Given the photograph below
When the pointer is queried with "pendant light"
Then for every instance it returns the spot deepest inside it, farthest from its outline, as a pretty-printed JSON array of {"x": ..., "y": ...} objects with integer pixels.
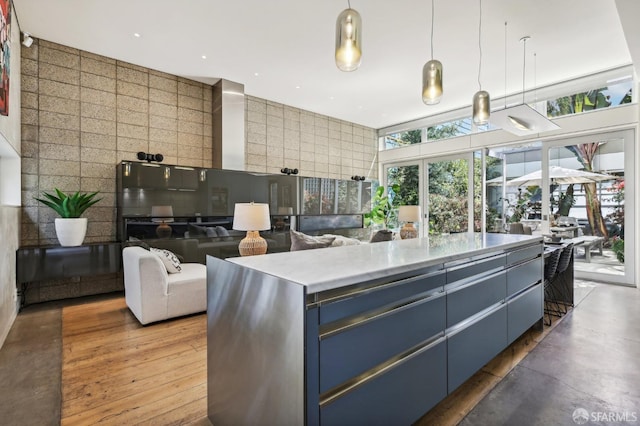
[
  {"x": 521, "y": 120},
  {"x": 348, "y": 40},
  {"x": 481, "y": 101},
  {"x": 432, "y": 75}
]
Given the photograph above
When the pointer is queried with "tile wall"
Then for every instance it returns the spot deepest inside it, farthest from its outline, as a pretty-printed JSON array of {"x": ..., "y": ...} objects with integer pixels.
[{"x": 83, "y": 113}]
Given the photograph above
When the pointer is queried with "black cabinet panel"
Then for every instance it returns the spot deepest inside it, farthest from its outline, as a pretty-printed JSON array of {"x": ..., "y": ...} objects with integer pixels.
[
  {"x": 475, "y": 345},
  {"x": 523, "y": 275},
  {"x": 55, "y": 262},
  {"x": 472, "y": 298},
  {"x": 523, "y": 311},
  {"x": 380, "y": 296},
  {"x": 397, "y": 396},
  {"x": 358, "y": 348}
]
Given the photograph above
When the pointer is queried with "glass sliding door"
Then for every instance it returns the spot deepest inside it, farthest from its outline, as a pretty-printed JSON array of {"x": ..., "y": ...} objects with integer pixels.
[
  {"x": 589, "y": 190},
  {"x": 495, "y": 191},
  {"x": 406, "y": 179},
  {"x": 449, "y": 193}
]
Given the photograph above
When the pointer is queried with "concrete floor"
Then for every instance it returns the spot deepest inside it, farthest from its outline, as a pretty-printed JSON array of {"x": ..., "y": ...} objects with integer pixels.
[{"x": 591, "y": 360}]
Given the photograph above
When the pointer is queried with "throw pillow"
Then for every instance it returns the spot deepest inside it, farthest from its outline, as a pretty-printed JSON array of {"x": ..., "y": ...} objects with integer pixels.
[
  {"x": 341, "y": 240},
  {"x": 136, "y": 242},
  {"x": 222, "y": 231},
  {"x": 300, "y": 241},
  {"x": 170, "y": 260},
  {"x": 196, "y": 231},
  {"x": 211, "y": 232},
  {"x": 382, "y": 235}
]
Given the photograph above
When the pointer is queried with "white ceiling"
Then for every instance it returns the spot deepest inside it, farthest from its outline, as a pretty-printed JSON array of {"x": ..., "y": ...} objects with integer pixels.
[{"x": 289, "y": 44}]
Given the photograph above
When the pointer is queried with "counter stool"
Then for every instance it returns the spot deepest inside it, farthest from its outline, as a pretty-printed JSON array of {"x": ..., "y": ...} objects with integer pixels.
[
  {"x": 559, "y": 294},
  {"x": 550, "y": 268}
]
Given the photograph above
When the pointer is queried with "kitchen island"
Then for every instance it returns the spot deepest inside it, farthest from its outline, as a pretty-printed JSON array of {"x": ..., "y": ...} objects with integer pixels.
[{"x": 368, "y": 334}]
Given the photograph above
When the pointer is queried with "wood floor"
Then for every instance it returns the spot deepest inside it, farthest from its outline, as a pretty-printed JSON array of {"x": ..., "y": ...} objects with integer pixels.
[{"x": 117, "y": 372}]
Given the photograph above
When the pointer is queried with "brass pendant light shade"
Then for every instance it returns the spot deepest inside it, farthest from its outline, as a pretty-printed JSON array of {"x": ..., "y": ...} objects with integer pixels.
[
  {"x": 481, "y": 108},
  {"x": 432, "y": 82},
  {"x": 348, "y": 40},
  {"x": 481, "y": 102},
  {"x": 432, "y": 87}
]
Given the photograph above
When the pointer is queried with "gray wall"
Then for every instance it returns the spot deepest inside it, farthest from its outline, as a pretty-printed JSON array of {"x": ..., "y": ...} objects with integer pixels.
[{"x": 9, "y": 190}]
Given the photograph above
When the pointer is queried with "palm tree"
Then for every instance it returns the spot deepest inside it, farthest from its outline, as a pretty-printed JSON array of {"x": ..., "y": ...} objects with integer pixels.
[{"x": 585, "y": 153}]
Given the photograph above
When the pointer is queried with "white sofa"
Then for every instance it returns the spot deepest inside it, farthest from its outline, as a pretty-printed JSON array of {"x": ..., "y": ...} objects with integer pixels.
[{"x": 152, "y": 294}]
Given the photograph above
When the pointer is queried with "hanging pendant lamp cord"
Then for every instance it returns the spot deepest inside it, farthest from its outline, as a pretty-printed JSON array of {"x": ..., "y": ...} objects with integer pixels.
[
  {"x": 535, "y": 77},
  {"x": 432, "y": 9},
  {"x": 349, "y": 3},
  {"x": 480, "y": 46},
  {"x": 524, "y": 65},
  {"x": 505, "y": 64}
]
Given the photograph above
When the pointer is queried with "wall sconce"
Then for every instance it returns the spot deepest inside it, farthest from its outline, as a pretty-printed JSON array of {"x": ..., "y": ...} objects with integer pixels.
[
  {"x": 289, "y": 171},
  {"x": 356, "y": 177},
  {"x": 143, "y": 156},
  {"x": 27, "y": 40}
]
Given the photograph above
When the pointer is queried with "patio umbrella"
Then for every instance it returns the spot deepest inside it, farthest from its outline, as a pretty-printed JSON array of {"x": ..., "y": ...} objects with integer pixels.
[{"x": 560, "y": 175}]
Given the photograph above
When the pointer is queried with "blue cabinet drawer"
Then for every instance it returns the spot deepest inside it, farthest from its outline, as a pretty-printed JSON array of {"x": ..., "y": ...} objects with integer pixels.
[
  {"x": 380, "y": 296},
  {"x": 468, "y": 300},
  {"x": 471, "y": 347},
  {"x": 348, "y": 350},
  {"x": 397, "y": 395},
  {"x": 477, "y": 267},
  {"x": 526, "y": 253},
  {"x": 522, "y": 276},
  {"x": 523, "y": 311}
]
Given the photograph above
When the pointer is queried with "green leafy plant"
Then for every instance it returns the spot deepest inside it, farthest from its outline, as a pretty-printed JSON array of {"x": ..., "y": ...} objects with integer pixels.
[
  {"x": 69, "y": 206},
  {"x": 383, "y": 206},
  {"x": 618, "y": 248}
]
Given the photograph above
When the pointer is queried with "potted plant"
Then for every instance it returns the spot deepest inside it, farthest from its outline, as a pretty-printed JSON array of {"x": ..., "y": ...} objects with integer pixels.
[
  {"x": 384, "y": 209},
  {"x": 70, "y": 227}
]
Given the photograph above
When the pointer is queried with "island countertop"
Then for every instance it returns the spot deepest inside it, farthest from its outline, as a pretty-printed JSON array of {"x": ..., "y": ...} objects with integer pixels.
[{"x": 330, "y": 268}]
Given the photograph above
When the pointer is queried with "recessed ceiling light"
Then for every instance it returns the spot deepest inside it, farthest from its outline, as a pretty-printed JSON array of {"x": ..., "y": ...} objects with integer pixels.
[
  {"x": 136, "y": 35},
  {"x": 204, "y": 57},
  {"x": 256, "y": 74},
  {"x": 331, "y": 97},
  {"x": 359, "y": 106},
  {"x": 297, "y": 87}
]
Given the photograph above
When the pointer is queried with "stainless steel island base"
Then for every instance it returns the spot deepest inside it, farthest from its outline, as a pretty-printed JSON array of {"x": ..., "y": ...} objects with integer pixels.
[{"x": 370, "y": 334}]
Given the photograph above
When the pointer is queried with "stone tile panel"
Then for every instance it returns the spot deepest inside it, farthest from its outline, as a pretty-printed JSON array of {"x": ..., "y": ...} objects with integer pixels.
[{"x": 97, "y": 67}]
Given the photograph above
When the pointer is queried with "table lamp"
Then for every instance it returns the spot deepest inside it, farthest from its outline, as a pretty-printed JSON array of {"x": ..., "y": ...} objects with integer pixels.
[
  {"x": 251, "y": 217},
  {"x": 162, "y": 214},
  {"x": 408, "y": 215}
]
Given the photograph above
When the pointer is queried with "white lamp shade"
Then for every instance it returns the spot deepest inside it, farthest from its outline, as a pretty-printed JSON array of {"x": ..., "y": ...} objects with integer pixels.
[
  {"x": 161, "y": 214},
  {"x": 251, "y": 217},
  {"x": 409, "y": 214}
]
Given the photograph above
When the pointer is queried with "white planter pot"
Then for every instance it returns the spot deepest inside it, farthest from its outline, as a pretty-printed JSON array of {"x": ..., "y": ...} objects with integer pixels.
[{"x": 71, "y": 232}]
